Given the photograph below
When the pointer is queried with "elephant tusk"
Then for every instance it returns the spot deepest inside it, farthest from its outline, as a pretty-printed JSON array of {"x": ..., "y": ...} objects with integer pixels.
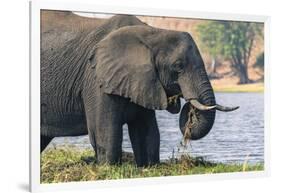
[
  {"x": 200, "y": 106},
  {"x": 226, "y": 109}
]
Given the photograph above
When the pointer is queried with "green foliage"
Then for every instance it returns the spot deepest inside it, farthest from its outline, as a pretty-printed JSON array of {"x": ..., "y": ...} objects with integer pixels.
[
  {"x": 231, "y": 40},
  {"x": 211, "y": 35},
  {"x": 66, "y": 165}
]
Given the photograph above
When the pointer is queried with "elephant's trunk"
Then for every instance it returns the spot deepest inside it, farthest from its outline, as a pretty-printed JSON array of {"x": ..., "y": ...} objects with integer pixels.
[{"x": 198, "y": 114}]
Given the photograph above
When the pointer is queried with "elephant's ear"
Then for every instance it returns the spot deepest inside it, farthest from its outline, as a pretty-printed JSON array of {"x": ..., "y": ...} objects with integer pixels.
[{"x": 123, "y": 66}]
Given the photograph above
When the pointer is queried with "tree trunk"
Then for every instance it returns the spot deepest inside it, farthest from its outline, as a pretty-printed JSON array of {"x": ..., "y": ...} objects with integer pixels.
[{"x": 242, "y": 72}]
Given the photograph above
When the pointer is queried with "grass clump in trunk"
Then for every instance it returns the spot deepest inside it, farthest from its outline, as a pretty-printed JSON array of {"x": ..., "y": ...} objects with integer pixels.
[{"x": 66, "y": 165}]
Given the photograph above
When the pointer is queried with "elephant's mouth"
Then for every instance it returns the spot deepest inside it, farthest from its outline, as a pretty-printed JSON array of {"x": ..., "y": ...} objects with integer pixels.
[
  {"x": 174, "y": 104},
  {"x": 173, "y": 99},
  {"x": 173, "y": 93}
]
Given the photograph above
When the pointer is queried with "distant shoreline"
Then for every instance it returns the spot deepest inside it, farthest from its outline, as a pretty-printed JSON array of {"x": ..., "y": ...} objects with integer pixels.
[{"x": 254, "y": 87}]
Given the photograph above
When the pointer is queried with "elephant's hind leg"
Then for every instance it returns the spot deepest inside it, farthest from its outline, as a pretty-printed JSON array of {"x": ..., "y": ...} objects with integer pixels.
[
  {"x": 137, "y": 141},
  {"x": 44, "y": 141}
]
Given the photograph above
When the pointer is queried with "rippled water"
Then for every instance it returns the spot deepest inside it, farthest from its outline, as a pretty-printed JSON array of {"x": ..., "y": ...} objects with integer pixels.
[{"x": 235, "y": 137}]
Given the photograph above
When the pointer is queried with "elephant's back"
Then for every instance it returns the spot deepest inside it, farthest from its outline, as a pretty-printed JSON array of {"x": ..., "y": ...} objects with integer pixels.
[{"x": 63, "y": 64}]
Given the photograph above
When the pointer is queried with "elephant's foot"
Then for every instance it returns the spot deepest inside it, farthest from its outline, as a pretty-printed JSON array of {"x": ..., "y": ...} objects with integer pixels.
[{"x": 105, "y": 156}]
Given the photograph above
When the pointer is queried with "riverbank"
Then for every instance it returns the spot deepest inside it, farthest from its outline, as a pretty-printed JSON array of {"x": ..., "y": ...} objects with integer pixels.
[
  {"x": 66, "y": 165},
  {"x": 255, "y": 87}
]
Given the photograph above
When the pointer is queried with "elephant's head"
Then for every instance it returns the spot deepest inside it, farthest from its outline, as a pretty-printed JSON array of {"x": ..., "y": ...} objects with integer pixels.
[{"x": 154, "y": 68}]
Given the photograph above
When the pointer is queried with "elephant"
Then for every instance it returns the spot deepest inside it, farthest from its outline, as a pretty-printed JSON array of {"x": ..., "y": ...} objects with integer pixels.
[{"x": 120, "y": 74}]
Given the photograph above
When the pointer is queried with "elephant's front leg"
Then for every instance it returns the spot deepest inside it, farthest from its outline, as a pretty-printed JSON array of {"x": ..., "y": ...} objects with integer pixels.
[
  {"x": 105, "y": 130},
  {"x": 145, "y": 138},
  {"x": 109, "y": 141}
]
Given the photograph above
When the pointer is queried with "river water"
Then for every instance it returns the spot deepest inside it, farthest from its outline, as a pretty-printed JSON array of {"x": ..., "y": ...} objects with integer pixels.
[{"x": 235, "y": 137}]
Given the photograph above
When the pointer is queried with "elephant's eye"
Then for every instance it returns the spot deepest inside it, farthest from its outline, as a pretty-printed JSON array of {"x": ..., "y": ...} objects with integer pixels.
[{"x": 178, "y": 66}]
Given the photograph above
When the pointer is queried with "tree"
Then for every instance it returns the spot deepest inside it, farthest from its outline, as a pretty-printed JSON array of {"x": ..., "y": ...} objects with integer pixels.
[{"x": 233, "y": 41}]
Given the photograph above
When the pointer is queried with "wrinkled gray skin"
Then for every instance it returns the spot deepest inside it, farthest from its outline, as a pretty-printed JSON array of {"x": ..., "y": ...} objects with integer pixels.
[{"x": 120, "y": 75}]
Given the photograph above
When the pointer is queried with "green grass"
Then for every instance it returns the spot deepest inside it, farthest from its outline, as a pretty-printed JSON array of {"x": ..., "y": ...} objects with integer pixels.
[{"x": 66, "y": 165}]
